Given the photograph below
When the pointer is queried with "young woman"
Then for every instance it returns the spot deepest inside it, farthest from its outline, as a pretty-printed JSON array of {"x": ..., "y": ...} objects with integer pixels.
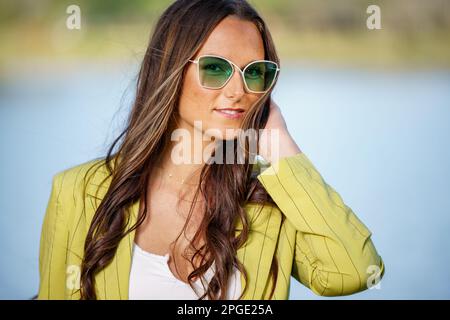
[{"x": 140, "y": 224}]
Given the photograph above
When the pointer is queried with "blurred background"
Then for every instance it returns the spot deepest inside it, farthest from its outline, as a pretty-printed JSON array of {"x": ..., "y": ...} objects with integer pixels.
[{"x": 370, "y": 108}]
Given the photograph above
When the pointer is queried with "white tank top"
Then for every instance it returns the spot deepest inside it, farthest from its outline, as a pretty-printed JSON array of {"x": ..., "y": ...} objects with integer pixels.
[{"x": 152, "y": 279}]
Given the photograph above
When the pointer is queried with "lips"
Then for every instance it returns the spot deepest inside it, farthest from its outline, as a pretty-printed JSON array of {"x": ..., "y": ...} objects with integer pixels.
[
  {"x": 234, "y": 110},
  {"x": 232, "y": 113}
]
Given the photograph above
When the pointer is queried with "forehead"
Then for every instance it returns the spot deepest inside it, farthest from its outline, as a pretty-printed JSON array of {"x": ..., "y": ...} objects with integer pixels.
[{"x": 237, "y": 40}]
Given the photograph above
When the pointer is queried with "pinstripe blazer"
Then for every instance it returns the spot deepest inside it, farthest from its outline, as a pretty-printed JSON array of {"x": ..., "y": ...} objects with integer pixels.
[{"x": 321, "y": 242}]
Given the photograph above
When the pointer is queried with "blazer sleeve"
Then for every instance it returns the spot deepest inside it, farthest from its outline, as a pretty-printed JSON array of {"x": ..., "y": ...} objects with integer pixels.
[
  {"x": 52, "y": 248},
  {"x": 333, "y": 254}
]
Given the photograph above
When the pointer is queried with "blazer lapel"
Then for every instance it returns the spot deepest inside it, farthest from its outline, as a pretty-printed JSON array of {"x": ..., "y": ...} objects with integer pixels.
[
  {"x": 112, "y": 281},
  {"x": 257, "y": 253}
]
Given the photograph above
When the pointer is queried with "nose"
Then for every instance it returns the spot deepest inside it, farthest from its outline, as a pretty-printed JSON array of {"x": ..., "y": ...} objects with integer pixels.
[{"x": 235, "y": 86}]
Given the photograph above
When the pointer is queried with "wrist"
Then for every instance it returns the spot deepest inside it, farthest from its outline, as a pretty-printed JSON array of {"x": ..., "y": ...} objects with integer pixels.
[{"x": 285, "y": 147}]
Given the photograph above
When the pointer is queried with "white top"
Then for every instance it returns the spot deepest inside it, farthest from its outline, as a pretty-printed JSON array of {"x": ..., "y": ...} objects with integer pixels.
[{"x": 152, "y": 279}]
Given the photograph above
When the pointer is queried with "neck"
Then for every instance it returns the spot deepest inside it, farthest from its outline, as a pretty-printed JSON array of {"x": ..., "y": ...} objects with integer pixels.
[{"x": 182, "y": 160}]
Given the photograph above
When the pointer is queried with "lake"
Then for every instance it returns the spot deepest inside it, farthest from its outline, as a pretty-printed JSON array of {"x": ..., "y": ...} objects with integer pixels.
[{"x": 380, "y": 138}]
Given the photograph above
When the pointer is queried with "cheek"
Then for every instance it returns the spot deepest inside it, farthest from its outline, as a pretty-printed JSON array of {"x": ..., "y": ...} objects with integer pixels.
[{"x": 196, "y": 102}]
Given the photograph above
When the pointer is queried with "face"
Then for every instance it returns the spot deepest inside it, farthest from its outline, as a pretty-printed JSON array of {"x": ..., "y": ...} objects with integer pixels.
[{"x": 240, "y": 42}]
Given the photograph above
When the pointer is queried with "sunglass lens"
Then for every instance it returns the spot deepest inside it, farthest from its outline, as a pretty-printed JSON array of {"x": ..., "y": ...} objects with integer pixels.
[
  {"x": 214, "y": 72},
  {"x": 260, "y": 76}
]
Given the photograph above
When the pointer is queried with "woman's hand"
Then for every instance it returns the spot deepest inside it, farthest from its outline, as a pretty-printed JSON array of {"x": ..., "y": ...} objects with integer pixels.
[{"x": 275, "y": 142}]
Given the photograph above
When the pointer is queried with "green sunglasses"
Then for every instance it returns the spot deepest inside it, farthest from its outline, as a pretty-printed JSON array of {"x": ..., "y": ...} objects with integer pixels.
[{"x": 214, "y": 72}]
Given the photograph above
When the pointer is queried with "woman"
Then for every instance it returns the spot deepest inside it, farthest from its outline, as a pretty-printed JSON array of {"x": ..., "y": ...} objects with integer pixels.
[{"x": 140, "y": 224}]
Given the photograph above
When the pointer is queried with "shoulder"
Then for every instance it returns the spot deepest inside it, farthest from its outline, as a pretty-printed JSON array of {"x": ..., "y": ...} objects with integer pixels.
[
  {"x": 73, "y": 183},
  {"x": 81, "y": 174}
]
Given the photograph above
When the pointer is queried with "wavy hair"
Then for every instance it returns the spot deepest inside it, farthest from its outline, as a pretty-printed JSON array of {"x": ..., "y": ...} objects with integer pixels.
[{"x": 176, "y": 38}]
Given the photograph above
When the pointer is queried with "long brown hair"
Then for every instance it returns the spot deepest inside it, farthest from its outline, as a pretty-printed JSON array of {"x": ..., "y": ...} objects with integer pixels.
[{"x": 179, "y": 33}]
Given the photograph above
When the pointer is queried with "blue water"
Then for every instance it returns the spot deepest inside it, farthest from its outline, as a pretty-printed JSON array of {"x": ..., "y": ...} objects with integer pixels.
[{"x": 379, "y": 138}]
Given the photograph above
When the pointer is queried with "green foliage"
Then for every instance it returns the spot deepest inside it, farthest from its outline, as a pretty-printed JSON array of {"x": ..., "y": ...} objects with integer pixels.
[{"x": 413, "y": 31}]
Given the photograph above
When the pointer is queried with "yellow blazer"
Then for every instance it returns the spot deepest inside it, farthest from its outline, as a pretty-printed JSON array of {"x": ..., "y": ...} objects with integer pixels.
[{"x": 321, "y": 243}]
